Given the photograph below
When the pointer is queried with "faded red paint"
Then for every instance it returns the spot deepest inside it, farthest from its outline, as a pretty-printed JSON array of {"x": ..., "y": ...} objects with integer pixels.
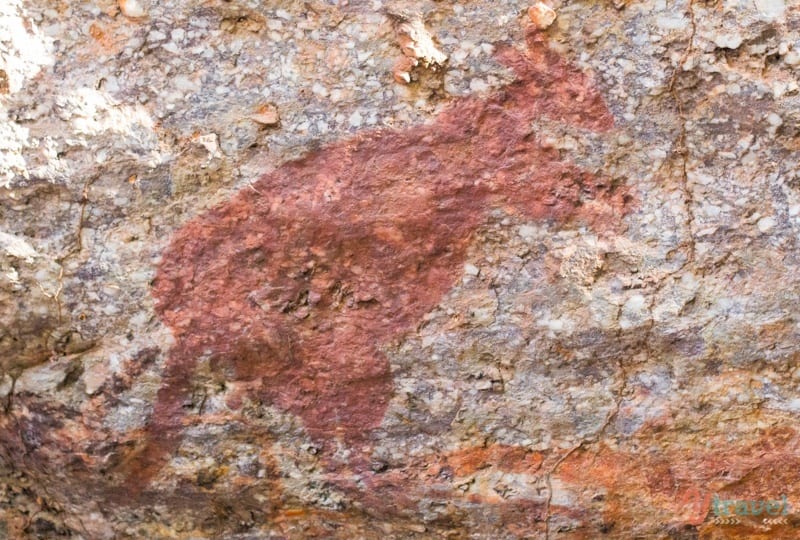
[
  {"x": 515, "y": 459},
  {"x": 678, "y": 482},
  {"x": 422, "y": 473},
  {"x": 452, "y": 482},
  {"x": 294, "y": 286}
]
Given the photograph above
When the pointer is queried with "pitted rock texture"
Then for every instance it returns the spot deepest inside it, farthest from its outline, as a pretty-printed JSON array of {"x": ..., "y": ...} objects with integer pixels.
[
  {"x": 294, "y": 286},
  {"x": 398, "y": 269}
]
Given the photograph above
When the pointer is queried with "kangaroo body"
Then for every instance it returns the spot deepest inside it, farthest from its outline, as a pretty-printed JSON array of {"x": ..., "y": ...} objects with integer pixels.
[{"x": 294, "y": 286}]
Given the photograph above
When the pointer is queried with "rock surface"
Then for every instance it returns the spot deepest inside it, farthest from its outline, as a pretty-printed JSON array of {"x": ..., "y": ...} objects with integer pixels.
[{"x": 399, "y": 269}]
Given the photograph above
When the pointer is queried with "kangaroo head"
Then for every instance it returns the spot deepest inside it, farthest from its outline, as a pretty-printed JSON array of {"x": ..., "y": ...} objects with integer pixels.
[{"x": 547, "y": 85}]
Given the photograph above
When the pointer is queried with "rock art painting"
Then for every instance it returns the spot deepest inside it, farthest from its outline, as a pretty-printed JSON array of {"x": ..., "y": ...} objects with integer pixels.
[{"x": 295, "y": 285}]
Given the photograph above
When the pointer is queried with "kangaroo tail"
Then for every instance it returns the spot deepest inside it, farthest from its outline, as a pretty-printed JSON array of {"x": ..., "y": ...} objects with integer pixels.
[{"x": 164, "y": 431}]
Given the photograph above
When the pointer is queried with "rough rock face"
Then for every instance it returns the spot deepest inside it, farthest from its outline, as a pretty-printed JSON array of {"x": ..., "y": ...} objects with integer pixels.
[{"x": 399, "y": 269}]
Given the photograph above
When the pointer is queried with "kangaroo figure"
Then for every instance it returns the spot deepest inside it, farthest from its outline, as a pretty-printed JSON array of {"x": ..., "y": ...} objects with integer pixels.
[{"x": 293, "y": 287}]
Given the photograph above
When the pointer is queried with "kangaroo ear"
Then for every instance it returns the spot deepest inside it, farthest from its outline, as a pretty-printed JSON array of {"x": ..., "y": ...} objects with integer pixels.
[
  {"x": 513, "y": 59},
  {"x": 533, "y": 62},
  {"x": 534, "y": 37}
]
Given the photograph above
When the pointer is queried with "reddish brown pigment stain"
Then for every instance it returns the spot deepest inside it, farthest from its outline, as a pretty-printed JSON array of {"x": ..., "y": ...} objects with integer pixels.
[
  {"x": 294, "y": 286},
  {"x": 679, "y": 482},
  {"x": 509, "y": 458},
  {"x": 433, "y": 476}
]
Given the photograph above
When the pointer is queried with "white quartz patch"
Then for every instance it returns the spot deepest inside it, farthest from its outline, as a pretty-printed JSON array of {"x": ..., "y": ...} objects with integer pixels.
[
  {"x": 17, "y": 247},
  {"x": 770, "y": 9}
]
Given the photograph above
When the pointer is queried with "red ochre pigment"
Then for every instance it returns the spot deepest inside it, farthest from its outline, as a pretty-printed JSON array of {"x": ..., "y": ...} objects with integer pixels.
[{"x": 294, "y": 286}]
